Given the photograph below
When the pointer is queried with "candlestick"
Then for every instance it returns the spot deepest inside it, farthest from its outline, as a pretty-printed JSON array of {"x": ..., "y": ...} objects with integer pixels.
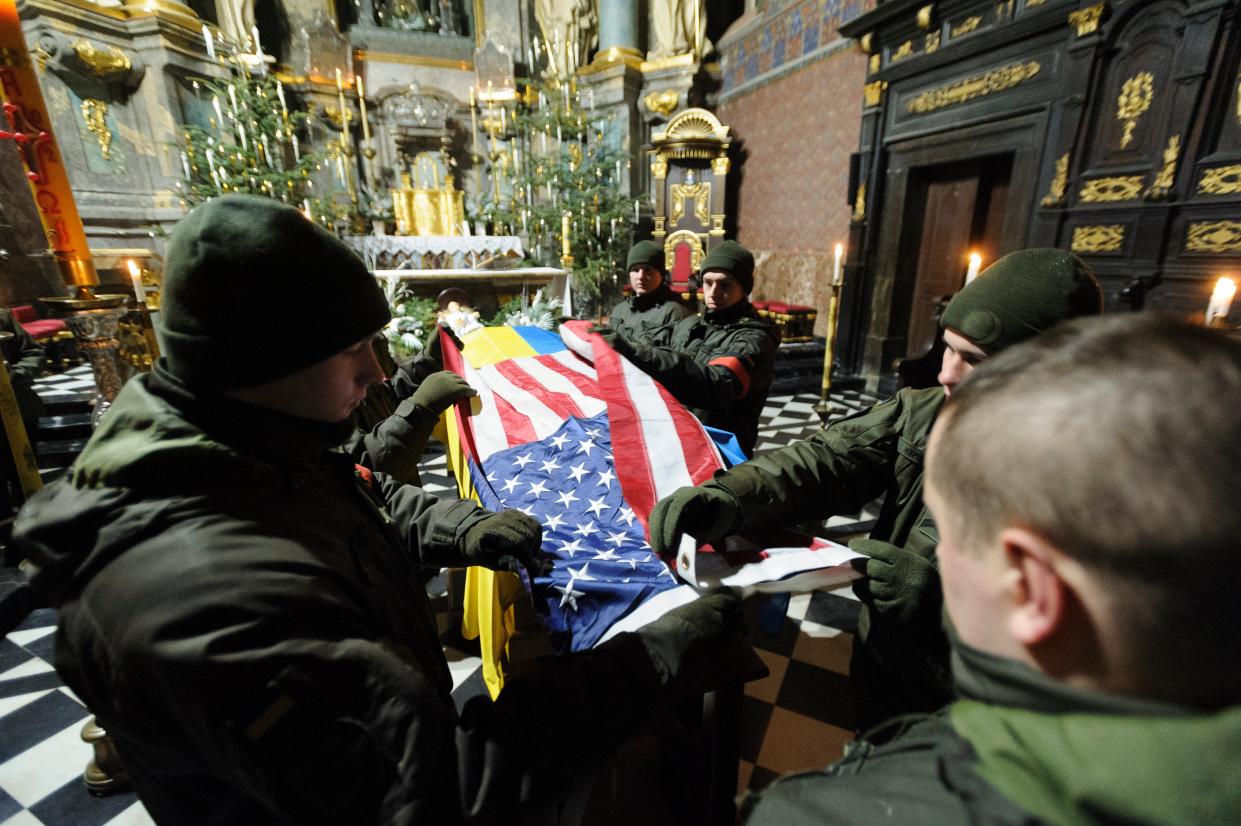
[
  {"x": 306, "y": 208},
  {"x": 564, "y": 233},
  {"x": 1221, "y": 302},
  {"x": 975, "y": 266},
  {"x": 135, "y": 277},
  {"x": 210, "y": 41},
  {"x": 636, "y": 215},
  {"x": 837, "y": 272},
  {"x": 284, "y": 109},
  {"x": 215, "y": 176},
  {"x": 185, "y": 165},
  {"x": 297, "y": 155},
  {"x": 232, "y": 100},
  {"x": 473, "y": 120},
  {"x": 340, "y": 82},
  {"x": 366, "y": 127},
  {"x": 219, "y": 115}
]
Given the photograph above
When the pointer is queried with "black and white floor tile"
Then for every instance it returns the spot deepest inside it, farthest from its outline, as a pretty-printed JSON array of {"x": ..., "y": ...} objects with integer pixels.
[{"x": 799, "y": 717}]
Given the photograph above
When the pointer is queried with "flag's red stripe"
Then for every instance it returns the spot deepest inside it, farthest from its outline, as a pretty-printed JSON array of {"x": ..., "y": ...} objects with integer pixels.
[
  {"x": 700, "y": 456},
  {"x": 454, "y": 360},
  {"x": 561, "y": 404},
  {"x": 588, "y": 386},
  {"x": 517, "y": 427},
  {"x": 634, "y": 472}
]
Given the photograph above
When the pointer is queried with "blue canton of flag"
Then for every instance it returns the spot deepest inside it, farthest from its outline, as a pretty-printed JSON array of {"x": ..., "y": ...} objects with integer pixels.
[{"x": 602, "y": 564}]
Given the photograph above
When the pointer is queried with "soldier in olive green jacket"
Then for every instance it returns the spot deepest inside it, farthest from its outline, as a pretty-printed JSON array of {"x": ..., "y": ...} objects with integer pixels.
[
  {"x": 718, "y": 364},
  {"x": 648, "y": 315},
  {"x": 900, "y": 656},
  {"x": 1092, "y": 590}
]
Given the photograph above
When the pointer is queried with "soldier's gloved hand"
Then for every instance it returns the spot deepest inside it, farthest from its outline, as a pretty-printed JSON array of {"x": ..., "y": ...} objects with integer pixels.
[
  {"x": 707, "y": 513},
  {"x": 700, "y": 646},
  {"x": 900, "y": 585},
  {"x": 505, "y": 541},
  {"x": 439, "y": 390},
  {"x": 434, "y": 351},
  {"x": 616, "y": 340}
]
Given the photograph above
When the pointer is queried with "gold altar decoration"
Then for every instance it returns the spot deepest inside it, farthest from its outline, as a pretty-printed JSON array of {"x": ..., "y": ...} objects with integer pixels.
[
  {"x": 872, "y": 93},
  {"x": 95, "y": 114},
  {"x": 1087, "y": 20},
  {"x": 692, "y": 137},
  {"x": 695, "y": 248},
  {"x": 859, "y": 203},
  {"x": 102, "y": 62},
  {"x": 932, "y": 42},
  {"x": 1135, "y": 98},
  {"x": 925, "y": 15},
  {"x": 875, "y": 61},
  {"x": 428, "y": 211},
  {"x": 1110, "y": 190},
  {"x": 1213, "y": 236},
  {"x": 1098, "y": 238},
  {"x": 1059, "y": 183},
  {"x": 903, "y": 51},
  {"x": 663, "y": 101},
  {"x": 1222, "y": 180},
  {"x": 958, "y": 92},
  {"x": 1166, "y": 176},
  {"x": 699, "y": 193},
  {"x": 966, "y": 26}
]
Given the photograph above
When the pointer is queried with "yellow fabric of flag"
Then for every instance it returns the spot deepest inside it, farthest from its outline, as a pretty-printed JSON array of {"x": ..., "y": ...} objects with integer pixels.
[{"x": 489, "y": 595}]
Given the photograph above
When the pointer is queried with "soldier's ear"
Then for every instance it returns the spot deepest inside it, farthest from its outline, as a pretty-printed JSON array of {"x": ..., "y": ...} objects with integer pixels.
[{"x": 1035, "y": 586}]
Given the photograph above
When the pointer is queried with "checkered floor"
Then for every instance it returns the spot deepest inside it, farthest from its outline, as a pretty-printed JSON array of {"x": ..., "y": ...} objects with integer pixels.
[{"x": 799, "y": 717}]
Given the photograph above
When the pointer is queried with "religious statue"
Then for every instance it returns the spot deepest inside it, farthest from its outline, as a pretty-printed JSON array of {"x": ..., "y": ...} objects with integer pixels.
[
  {"x": 570, "y": 31},
  {"x": 236, "y": 20},
  {"x": 678, "y": 27}
]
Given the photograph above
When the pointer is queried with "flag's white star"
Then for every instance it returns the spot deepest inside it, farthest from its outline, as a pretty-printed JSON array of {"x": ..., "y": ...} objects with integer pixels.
[
  {"x": 585, "y": 446},
  {"x": 588, "y": 529},
  {"x": 558, "y": 441},
  {"x": 618, "y": 539},
  {"x": 606, "y": 554},
  {"x": 594, "y": 434},
  {"x": 606, "y": 477},
  {"x": 596, "y": 505},
  {"x": 522, "y": 461},
  {"x": 571, "y": 547},
  {"x": 550, "y": 465},
  {"x": 668, "y": 571},
  {"x": 578, "y": 471},
  {"x": 537, "y": 488},
  {"x": 527, "y": 510},
  {"x": 553, "y": 522},
  {"x": 627, "y": 515},
  {"x": 569, "y": 595},
  {"x": 510, "y": 484},
  {"x": 582, "y": 574},
  {"x": 566, "y": 497},
  {"x": 633, "y": 563}
]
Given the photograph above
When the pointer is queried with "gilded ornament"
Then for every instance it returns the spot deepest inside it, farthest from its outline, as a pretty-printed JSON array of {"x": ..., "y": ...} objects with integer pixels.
[
  {"x": 659, "y": 168},
  {"x": 11, "y": 58},
  {"x": 720, "y": 166},
  {"x": 1059, "y": 183},
  {"x": 873, "y": 92},
  {"x": 859, "y": 203},
  {"x": 102, "y": 62},
  {"x": 1033, "y": 3},
  {"x": 874, "y": 63},
  {"x": 1098, "y": 238},
  {"x": 699, "y": 193},
  {"x": 924, "y": 16},
  {"x": 951, "y": 94},
  {"x": 1222, "y": 180},
  {"x": 966, "y": 26},
  {"x": 95, "y": 114},
  {"x": 1135, "y": 98},
  {"x": 663, "y": 102},
  {"x": 1110, "y": 190},
  {"x": 867, "y": 42},
  {"x": 903, "y": 51},
  {"x": 932, "y": 42},
  {"x": 674, "y": 240},
  {"x": 1214, "y": 236},
  {"x": 1162, "y": 185},
  {"x": 717, "y": 224},
  {"x": 1087, "y": 20}
]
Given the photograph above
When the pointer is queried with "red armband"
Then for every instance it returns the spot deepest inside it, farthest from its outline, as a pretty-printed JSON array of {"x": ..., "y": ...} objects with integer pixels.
[{"x": 737, "y": 368}]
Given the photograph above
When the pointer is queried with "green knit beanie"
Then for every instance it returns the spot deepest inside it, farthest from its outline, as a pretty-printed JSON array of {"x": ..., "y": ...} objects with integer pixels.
[
  {"x": 733, "y": 259},
  {"x": 649, "y": 253},
  {"x": 253, "y": 292},
  {"x": 1022, "y": 294}
]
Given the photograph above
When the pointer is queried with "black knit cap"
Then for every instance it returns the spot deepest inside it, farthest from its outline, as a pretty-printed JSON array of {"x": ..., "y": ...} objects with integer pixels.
[
  {"x": 649, "y": 253},
  {"x": 254, "y": 291},
  {"x": 733, "y": 259},
  {"x": 1022, "y": 294}
]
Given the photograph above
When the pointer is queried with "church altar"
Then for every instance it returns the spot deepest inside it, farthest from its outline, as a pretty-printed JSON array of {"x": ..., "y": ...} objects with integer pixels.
[
  {"x": 485, "y": 289},
  {"x": 431, "y": 252}
]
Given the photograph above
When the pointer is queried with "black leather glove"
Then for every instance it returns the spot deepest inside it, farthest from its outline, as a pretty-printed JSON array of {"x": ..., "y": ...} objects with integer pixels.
[
  {"x": 707, "y": 513},
  {"x": 701, "y": 646},
  {"x": 900, "y": 585},
  {"x": 505, "y": 541},
  {"x": 439, "y": 390}
]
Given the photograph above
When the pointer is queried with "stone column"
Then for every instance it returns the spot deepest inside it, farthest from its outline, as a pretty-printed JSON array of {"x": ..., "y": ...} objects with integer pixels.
[{"x": 618, "y": 25}]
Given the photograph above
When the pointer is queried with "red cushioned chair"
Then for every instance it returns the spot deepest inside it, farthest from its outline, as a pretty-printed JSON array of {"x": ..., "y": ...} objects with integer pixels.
[{"x": 42, "y": 330}]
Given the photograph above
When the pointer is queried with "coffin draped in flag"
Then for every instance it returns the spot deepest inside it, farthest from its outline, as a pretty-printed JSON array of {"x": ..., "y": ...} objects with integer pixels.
[{"x": 543, "y": 439}]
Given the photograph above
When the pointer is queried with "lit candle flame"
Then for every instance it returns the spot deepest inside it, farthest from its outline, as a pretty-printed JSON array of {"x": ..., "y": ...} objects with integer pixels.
[
  {"x": 1221, "y": 301},
  {"x": 975, "y": 266}
]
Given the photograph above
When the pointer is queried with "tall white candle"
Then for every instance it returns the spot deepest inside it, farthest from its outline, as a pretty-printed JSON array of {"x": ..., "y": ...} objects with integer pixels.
[
  {"x": 219, "y": 116},
  {"x": 210, "y": 41},
  {"x": 1221, "y": 301},
  {"x": 636, "y": 216},
  {"x": 284, "y": 107},
  {"x": 837, "y": 271},
  {"x": 975, "y": 266},
  {"x": 135, "y": 276}
]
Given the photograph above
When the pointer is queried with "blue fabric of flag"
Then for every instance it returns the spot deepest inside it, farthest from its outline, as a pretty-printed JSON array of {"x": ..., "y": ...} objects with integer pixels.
[
  {"x": 602, "y": 564},
  {"x": 542, "y": 341}
]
